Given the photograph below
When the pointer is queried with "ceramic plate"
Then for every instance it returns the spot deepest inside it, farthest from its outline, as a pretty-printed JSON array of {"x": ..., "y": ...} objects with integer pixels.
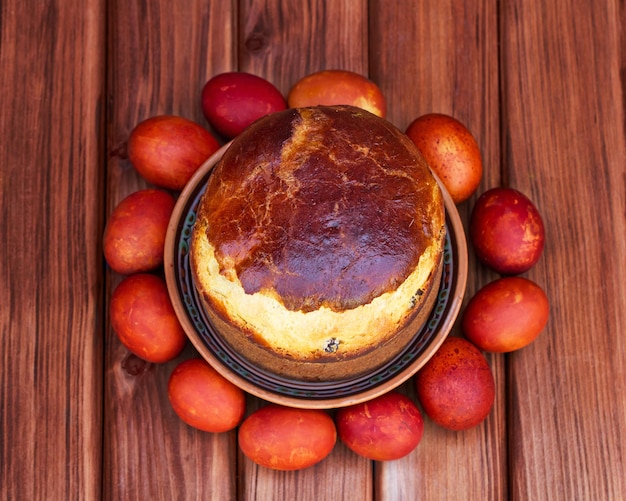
[{"x": 296, "y": 393}]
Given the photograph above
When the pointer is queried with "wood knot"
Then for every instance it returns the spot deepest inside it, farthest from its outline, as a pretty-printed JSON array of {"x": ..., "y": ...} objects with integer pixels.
[
  {"x": 256, "y": 42},
  {"x": 135, "y": 366},
  {"x": 119, "y": 151}
]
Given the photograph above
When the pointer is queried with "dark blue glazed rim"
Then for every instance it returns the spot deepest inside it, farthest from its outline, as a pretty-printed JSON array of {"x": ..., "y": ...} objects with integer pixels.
[{"x": 271, "y": 386}]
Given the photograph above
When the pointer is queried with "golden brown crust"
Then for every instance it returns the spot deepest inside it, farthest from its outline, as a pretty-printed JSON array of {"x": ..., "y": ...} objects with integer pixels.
[
  {"x": 341, "y": 215},
  {"x": 327, "y": 222}
]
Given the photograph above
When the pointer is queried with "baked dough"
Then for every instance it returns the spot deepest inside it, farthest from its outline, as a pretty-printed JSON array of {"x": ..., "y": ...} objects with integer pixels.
[{"x": 318, "y": 243}]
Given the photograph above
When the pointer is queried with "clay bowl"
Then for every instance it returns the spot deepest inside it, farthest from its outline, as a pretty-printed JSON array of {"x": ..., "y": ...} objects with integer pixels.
[{"x": 295, "y": 393}]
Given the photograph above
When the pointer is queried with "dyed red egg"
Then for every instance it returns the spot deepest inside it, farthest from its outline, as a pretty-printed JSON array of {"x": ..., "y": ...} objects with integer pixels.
[
  {"x": 456, "y": 386},
  {"x": 286, "y": 438},
  {"x": 506, "y": 231},
  {"x": 506, "y": 315},
  {"x": 383, "y": 429},
  {"x": 232, "y": 101}
]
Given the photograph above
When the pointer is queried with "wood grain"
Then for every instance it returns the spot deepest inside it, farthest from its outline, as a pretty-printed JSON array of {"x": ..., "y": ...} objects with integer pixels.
[
  {"x": 283, "y": 44},
  {"x": 541, "y": 86},
  {"x": 566, "y": 149},
  {"x": 52, "y": 81},
  {"x": 442, "y": 56},
  {"x": 160, "y": 55}
]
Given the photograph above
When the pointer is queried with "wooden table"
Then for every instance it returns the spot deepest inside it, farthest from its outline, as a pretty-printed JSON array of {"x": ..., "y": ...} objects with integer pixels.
[{"x": 540, "y": 84}]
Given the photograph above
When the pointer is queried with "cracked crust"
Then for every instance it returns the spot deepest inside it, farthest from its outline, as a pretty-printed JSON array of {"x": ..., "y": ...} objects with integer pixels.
[{"x": 319, "y": 239}]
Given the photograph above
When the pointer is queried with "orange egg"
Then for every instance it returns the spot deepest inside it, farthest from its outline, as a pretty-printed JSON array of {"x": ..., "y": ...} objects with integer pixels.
[
  {"x": 144, "y": 320},
  {"x": 285, "y": 438},
  {"x": 134, "y": 236},
  {"x": 506, "y": 315},
  {"x": 167, "y": 150},
  {"x": 334, "y": 87},
  {"x": 451, "y": 152},
  {"x": 203, "y": 398}
]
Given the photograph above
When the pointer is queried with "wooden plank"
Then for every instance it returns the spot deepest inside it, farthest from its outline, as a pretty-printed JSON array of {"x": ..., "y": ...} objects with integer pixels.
[
  {"x": 341, "y": 475},
  {"x": 566, "y": 136},
  {"x": 442, "y": 56},
  {"x": 160, "y": 55},
  {"x": 283, "y": 43},
  {"x": 52, "y": 59},
  {"x": 563, "y": 136}
]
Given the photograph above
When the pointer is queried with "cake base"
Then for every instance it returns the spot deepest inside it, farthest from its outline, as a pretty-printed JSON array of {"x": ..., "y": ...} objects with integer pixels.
[{"x": 327, "y": 368}]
